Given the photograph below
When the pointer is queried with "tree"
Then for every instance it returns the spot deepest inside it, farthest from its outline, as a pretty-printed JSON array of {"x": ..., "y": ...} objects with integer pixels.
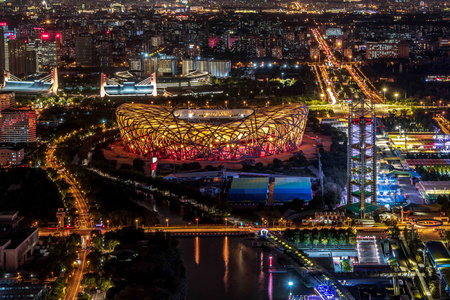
[
  {"x": 325, "y": 240},
  {"x": 342, "y": 239},
  {"x": 83, "y": 296},
  {"x": 315, "y": 240},
  {"x": 307, "y": 239},
  {"x": 277, "y": 163},
  {"x": 138, "y": 164},
  {"x": 352, "y": 239},
  {"x": 346, "y": 266},
  {"x": 334, "y": 241}
]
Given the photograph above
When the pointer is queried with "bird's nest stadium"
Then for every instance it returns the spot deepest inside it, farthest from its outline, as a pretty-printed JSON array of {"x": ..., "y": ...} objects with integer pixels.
[{"x": 211, "y": 134}]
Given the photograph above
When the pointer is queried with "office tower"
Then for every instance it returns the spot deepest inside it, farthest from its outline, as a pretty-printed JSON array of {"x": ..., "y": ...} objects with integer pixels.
[{"x": 84, "y": 51}]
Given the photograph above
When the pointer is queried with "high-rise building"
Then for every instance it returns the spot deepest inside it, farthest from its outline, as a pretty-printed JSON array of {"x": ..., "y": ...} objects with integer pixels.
[
  {"x": 50, "y": 55},
  {"x": 2, "y": 51},
  {"x": 104, "y": 54},
  {"x": 7, "y": 100},
  {"x": 201, "y": 65},
  {"x": 260, "y": 52},
  {"x": 156, "y": 41},
  {"x": 150, "y": 65},
  {"x": 84, "y": 51},
  {"x": 30, "y": 62},
  {"x": 18, "y": 126},
  {"x": 277, "y": 52},
  {"x": 135, "y": 64},
  {"x": 387, "y": 50},
  {"x": 187, "y": 66},
  {"x": 194, "y": 50},
  {"x": 17, "y": 57},
  {"x": 220, "y": 68}
]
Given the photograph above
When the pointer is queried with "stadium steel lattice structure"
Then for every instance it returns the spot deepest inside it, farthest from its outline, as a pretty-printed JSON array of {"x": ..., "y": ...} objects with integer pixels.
[{"x": 202, "y": 134}]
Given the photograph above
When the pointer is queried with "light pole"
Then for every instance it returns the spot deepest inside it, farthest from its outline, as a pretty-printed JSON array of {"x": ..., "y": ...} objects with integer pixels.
[
  {"x": 196, "y": 220},
  {"x": 107, "y": 222},
  {"x": 384, "y": 91},
  {"x": 167, "y": 222},
  {"x": 136, "y": 223},
  {"x": 290, "y": 287},
  {"x": 226, "y": 223},
  {"x": 396, "y": 97},
  {"x": 404, "y": 131}
]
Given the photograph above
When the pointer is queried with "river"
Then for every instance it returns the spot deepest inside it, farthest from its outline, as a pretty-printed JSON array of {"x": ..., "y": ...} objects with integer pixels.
[{"x": 227, "y": 267}]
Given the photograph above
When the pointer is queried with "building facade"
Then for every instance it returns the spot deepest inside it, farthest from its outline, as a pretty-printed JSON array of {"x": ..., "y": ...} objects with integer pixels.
[
  {"x": 18, "y": 126},
  {"x": 11, "y": 155},
  {"x": 84, "y": 51}
]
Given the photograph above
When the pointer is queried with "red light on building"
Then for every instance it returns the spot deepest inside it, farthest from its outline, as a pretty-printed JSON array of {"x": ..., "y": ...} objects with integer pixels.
[
  {"x": 58, "y": 35},
  {"x": 3, "y": 24},
  {"x": 45, "y": 36},
  {"x": 107, "y": 32}
]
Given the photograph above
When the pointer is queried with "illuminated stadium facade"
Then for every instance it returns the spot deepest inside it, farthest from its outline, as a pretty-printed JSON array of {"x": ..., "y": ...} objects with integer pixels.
[{"x": 216, "y": 134}]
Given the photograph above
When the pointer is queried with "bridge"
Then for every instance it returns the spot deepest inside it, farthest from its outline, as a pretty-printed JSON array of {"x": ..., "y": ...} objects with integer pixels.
[
  {"x": 45, "y": 85},
  {"x": 112, "y": 87}
]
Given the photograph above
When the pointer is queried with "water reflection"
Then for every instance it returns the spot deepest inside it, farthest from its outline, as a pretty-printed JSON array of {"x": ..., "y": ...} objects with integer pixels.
[
  {"x": 197, "y": 250},
  {"x": 225, "y": 259},
  {"x": 231, "y": 269}
]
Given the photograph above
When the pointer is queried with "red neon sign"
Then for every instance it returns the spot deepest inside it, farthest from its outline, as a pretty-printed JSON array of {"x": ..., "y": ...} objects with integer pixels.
[
  {"x": 3, "y": 24},
  {"x": 45, "y": 36}
]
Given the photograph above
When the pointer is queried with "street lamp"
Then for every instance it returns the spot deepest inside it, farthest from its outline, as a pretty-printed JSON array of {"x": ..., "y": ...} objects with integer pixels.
[
  {"x": 384, "y": 91},
  {"x": 290, "y": 287},
  {"x": 396, "y": 97},
  {"x": 167, "y": 221},
  {"x": 107, "y": 222},
  {"x": 226, "y": 223},
  {"x": 321, "y": 96},
  {"x": 136, "y": 223},
  {"x": 315, "y": 60},
  {"x": 196, "y": 220}
]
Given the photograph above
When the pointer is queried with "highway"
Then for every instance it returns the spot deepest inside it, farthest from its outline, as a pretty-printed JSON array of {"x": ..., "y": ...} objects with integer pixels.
[{"x": 368, "y": 89}]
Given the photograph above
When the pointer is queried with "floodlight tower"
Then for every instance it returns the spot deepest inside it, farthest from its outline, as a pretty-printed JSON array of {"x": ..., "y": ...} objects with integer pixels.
[{"x": 361, "y": 154}]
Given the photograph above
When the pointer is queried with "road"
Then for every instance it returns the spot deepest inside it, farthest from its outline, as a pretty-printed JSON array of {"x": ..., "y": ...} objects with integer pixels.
[
  {"x": 83, "y": 216},
  {"x": 75, "y": 281},
  {"x": 364, "y": 84}
]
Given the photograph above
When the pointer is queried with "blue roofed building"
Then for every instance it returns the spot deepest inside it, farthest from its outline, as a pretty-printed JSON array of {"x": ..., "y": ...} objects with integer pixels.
[
  {"x": 249, "y": 190},
  {"x": 289, "y": 188}
]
